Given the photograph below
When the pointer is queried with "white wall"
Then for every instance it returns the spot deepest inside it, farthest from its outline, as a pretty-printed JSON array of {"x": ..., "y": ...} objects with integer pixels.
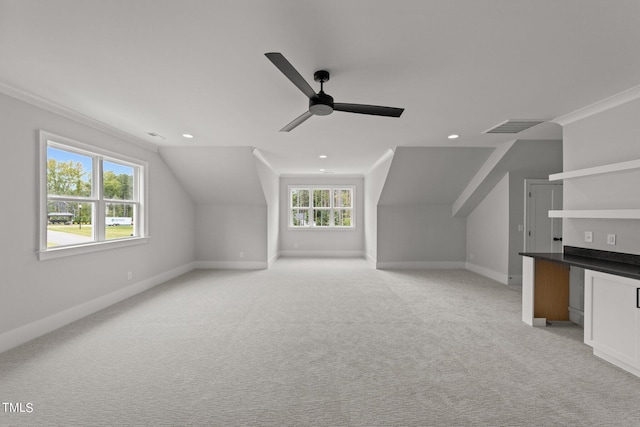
[
  {"x": 420, "y": 236},
  {"x": 270, "y": 181},
  {"x": 33, "y": 290},
  {"x": 231, "y": 236},
  {"x": 415, "y": 227},
  {"x": 488, "y": 234},
  {"x": 521, "y": 159},
  {"x": 373, "y": 185},
  {"x": 516, "y": 219},
  {"x": 312, "y": 242},
  {"x": 607, "y": 137},
  {"x": 233, "y": 219}
]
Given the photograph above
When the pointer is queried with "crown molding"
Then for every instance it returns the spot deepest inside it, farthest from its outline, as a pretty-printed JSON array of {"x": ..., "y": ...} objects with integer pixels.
[
  {"x": 68, "y": 113},
  {"x": 600, "y": 106}
]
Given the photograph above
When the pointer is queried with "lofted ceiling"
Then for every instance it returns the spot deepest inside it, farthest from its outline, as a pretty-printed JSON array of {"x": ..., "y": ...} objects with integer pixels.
[
  {"x": 424, "y": 175},
  {"x": 206, "y": 172},
  {"x": 197, "y": 66}
]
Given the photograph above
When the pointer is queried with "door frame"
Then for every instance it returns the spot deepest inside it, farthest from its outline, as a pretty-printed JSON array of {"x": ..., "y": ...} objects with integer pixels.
[{"x": 528, "y": 182}]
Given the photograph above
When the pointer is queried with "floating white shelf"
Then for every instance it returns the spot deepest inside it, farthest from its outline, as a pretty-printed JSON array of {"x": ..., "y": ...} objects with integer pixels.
[
  {"x": 597, "y": 213},
  {"x": 597, "y": 170}
]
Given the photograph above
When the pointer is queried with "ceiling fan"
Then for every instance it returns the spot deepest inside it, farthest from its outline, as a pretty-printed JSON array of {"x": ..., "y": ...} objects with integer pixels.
[{"x": 321, "y": 104}]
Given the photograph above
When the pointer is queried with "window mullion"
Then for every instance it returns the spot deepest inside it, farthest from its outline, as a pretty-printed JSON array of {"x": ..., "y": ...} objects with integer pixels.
[
  {"x": 136, "y": 226},
  {"x": 72, "y": 198},
  {"x": 136, "y": 206},
  {"x": 331, "y": 207},
  {"x": 138, "y": 183},
  {"x": 291, "y": 207},
  {"x": 99, "y": 214}
]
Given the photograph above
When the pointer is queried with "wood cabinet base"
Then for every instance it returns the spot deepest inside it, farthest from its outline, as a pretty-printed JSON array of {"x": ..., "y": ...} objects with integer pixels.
[{"x": 551, "y": 291}]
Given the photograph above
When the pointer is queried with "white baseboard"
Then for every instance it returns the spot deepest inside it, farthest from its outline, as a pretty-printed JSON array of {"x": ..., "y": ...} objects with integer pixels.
[
  {"x": 419, "y": 265},
  {"x": 28, "y": 332},
  {"x": 539, "y": 322},
  {"x": 614, "y": 360},
  {"x": 371, "y": 260},
  {"x": 498, "y": 277},
  {"x": 323, "y": 254},
  {"x": 232, "y": 265},
  {"x": 273, "y": 259}
]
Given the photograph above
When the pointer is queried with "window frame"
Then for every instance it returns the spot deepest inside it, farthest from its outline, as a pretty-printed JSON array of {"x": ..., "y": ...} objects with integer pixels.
[
  {"x": 97, "y": 199},
  {"x": 311, "y": 209}
]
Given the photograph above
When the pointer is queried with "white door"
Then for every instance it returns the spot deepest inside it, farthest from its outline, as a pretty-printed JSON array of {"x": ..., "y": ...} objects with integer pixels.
[{"x": 543, "y": 234}]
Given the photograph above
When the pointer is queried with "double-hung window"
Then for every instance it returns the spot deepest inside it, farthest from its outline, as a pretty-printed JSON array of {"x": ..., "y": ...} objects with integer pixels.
[
  {"x": 90, "y": 198},
  {"x": 321, "y": 207}
]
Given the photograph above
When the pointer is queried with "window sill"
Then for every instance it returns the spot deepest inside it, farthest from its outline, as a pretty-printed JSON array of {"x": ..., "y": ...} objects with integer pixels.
[{"x": 65, "y": 251}]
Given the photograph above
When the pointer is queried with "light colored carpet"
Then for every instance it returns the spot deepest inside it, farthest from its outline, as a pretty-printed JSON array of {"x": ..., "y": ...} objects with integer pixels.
[{"x": 318, "y": 343}]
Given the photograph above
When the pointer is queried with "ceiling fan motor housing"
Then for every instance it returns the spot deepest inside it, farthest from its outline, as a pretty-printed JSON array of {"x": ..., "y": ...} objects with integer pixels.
[{"x": 321, "y": 104}]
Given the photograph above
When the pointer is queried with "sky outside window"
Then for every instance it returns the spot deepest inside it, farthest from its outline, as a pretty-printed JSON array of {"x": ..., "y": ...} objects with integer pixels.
[{"x": 65, "y": 156}]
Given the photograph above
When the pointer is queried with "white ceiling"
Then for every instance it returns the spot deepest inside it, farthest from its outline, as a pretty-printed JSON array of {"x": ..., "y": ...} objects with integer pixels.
[{"x": 198, "y": 66}]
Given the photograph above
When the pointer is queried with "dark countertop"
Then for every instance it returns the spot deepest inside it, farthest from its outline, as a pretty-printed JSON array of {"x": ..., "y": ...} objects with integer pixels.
[{"x": 626, "y": 265}]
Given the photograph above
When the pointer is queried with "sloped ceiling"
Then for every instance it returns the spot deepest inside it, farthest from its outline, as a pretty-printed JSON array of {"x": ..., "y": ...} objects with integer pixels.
[
  {"x": 430, "y": 175},
  {"x": 220, "y": 175},
  {"x": 530, "y": 159},
  {"x": 198, "y": 66}
]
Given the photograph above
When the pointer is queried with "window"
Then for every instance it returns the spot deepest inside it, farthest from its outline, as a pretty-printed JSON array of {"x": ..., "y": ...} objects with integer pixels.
[
  {"x": 323, "y": 207},
  {"x": 89, "y": 197}
]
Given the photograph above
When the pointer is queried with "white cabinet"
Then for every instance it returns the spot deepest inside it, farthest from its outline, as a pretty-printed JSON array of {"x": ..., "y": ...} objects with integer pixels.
[{"x": 612, "y": 319}]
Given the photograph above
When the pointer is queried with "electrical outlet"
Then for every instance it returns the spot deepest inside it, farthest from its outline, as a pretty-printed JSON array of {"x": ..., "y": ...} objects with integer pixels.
[
  {"x": 611, "y": 239},
  {"x": 588, "y": 236},
  {"x": 129, "y": 275}
]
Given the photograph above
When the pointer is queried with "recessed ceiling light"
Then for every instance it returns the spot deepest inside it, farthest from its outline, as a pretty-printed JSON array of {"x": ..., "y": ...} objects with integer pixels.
[
  {"x": 321, "y": 170},
  {"x": 323, "y": 156},
  {"x": 453, "y": 136},
  {"x": 187, "y": 135}
]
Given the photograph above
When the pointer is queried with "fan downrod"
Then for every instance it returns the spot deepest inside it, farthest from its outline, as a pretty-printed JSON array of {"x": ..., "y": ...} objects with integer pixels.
[{"x": 321, "y": 104}]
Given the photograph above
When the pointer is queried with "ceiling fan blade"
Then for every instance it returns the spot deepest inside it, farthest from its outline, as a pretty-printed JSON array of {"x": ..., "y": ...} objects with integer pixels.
[
  {"x": 297, "y": 121},
  {"x": 375, "y": 110},
  {"x": 291, "y": 73}
]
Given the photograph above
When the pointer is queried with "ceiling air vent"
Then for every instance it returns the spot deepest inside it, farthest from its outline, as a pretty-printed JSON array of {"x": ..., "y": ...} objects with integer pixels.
[
  {"x": 155, "y": 135},
  {"x": 513, "y": 126}
]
